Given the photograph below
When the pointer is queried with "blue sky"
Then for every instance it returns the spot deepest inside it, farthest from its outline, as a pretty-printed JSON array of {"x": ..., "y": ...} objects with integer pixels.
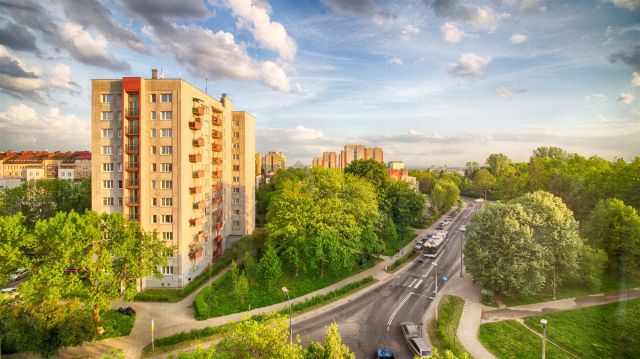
[{"x": 431, "y": 81}]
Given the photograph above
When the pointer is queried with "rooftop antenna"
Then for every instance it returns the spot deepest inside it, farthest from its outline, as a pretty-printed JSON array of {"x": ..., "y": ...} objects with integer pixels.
[{"x": 206, "y": 84}]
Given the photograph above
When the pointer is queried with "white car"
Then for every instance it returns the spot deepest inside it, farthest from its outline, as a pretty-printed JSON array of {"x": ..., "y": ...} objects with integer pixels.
[
  {"x": 19, "y": 274},
  {"x": 418, "y": 245}
]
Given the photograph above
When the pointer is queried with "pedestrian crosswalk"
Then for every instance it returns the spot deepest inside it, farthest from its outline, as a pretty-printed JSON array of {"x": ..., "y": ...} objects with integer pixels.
[{"x": 412, "y": 283}]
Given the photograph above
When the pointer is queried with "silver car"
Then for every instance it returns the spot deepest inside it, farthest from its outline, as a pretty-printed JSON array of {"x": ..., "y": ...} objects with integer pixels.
[{"x": 414, "y": 340}]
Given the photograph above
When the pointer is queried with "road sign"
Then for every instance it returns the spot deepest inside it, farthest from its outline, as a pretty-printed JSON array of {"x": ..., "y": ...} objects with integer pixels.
[{"x": 444, "y": 278}]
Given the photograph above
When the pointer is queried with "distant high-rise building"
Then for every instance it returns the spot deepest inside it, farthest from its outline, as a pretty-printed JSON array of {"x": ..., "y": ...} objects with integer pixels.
[
  {"x": 258, "y": 164},
  {"x": 358, "y": 152},
  {"x": 329, "y": 160},
  {"x": 273, "y": 161},
  {"x": 316, "y": 162},
  {"x": 161, "y": 158},
  {"x": 374, "y": 153}
]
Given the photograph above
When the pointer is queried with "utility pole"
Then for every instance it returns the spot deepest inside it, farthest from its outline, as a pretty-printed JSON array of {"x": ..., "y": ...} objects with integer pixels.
[{"x": 461, "y": 244}]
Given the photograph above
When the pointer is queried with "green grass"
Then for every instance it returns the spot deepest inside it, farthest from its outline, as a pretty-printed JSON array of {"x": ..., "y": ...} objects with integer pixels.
[
  {"x": 603, "y": 331},
  {"x": 116, "y": 324},
  {"x": 181, "y": 340},
  {"x": 443, "y": 336},
  {"x": 392, "y": 248},
  {"x": 609, "y": 284},
  {"x": 510, "y": 339},
  {"x": 401, "y": 261},
  {"x": 218, "y": 298}
]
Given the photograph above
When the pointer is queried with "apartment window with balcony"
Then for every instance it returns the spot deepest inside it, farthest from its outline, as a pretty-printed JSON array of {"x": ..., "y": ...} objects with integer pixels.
[
  {"x": 236, "y": 134},
  {"x": 237, "y": 211},
  {"x": 107, "y": 201},
  {"x": 167, "y": 202},
  {"x": 107, "y": 150},
  {"x": 236, "y": 178},
  {"x": 119, "y": 201},
  {"x": 107, "y": 167},
  {"x": 166, "y": 184},
  {"x": 166, "y": 270},
  {"x": 106, "y": 116},
  {"x": 166, "y": 150},
  {"x": 107, "y": 133},
  {"x": 154, "y": 98},
  {"x": 153, "y": 150},
  {"x": 154, "y": 218},
  {"x": 166, "y": 167},
  {"x": 166, "y": 97},
  {"x": 236, "y": 189},
  {"x": 153, "y": 132},
  {"x": 166, "y": 132},
  {"x": 166, "y": 218},
  {"x": 154, "y": 202},
  {"x": 167, "y": 236},
  {"x": 107, "y": 184},
  {"x": 107, "y": 98},
  {"x": 153, "y": 167},
  {"x": 166, "y": 115},
  {"x": 153, "y": 116},
  {"x": 236, "y": 167}
]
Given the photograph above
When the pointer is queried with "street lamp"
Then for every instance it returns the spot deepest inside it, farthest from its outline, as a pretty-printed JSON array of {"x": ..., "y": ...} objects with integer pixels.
[
  {"x": 544, "y": 336},
  {"x": 286, "y": 291}
]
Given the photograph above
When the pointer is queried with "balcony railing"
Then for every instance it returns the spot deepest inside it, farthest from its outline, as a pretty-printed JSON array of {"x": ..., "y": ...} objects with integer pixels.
[
  {"x": 195, "y": 189},
  {"x": 216, "y": 187},
  {"x": 131, "y": 112},
  {"x": 198, "y": 174},
  {"x": 200, "y": 205},
  {"x": 133, "y": 201},
  {"x": 198, "y": 111},
  {"x": 200, "y": 237},
  {"x": 216, "y": 134},
  {"x": 217, "y": 121},
  {"x": 195, "y": 222},
  {"x": 195, "y": 125},
  {"x": 218, "y": 239},
  {"x": 133, "y": 183},
  {"x": 216, "y": 174},
  {"x": 216, "y": 161},
  {"x": 132, "y": 130},
  {"x": 132, "y": 166},
  {"x": 218, "y": 200},
  {"x": 199, "y": 142},
  {"x": 216, "y": 147},
  {"x": 218, "y": 251},
  {"x": 132, "y": 148},
  {"x": 194, "y": 158}
]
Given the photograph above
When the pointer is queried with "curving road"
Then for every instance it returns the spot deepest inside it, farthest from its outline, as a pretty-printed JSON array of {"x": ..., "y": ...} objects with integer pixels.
[{"x": 373, "y": 320}]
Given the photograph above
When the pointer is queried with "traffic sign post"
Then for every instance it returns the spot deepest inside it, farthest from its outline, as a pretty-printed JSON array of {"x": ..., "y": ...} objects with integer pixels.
[{"x": 153, "y": 329}]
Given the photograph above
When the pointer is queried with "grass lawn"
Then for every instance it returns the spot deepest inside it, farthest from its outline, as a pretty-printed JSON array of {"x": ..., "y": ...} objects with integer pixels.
[
  {"x": 218, "y": 298},
  {"x": 443, "y": 336},
  {"x": 604, "y": 331},
  {"x": 609, "y": 284},
  {"x": 116, "y": 324},
  {"x": 510, "y": 339}
]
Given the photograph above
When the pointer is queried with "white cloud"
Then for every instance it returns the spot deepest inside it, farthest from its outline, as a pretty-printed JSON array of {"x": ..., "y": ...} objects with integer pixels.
[
  {"x": 409, "y": 31},
  {"x": 60, "y": 76},
  {"x": 395, "y": 61},
  {"x": 90, "y": 49},
  {"x": 626, "y": 98},
  {"x": 627, "y": 4},
  {"x": 269, "y": 34},
  {"x": 503, "y": 92},
  {"x": 485, "y": 18},
  {"x": 595, "y": 97},
  {"x": 524, "y": 4},
  {"x": 451, "y": 33},
  {"x": 518, "y": 38},
  {"x": 635, "y": 79},
  {"x": 470, "y": 65},
  {"x": 22, "y": 128},
  {"x": 17, "y": 77}
]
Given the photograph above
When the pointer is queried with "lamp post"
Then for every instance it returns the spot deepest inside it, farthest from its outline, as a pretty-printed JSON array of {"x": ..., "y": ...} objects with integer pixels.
[
  {"x": 286, "y": 291},
  {"x": 544, "y": 336}
]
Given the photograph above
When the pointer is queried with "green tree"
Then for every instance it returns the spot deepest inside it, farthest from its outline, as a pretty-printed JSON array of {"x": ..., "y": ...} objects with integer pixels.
[
  {"x": 270, "y": 267},
  {"x": 406, "y": 206},
  {"x": 242, "y": 287},
  {"x": 484, "y": 181},
  {"x": 15, "y": 239},
  {"x": 549, "y": 152},
  {"x": 444, "y": 195},
  {"x": 374, "y": 172},
  {"x": 334, "y": 348},
  {"x": 235, "y": 274},
  {"x": 250, "y": 266},
  {"x": 615, "y": 228},
  {"x": 498, "y": 164}
]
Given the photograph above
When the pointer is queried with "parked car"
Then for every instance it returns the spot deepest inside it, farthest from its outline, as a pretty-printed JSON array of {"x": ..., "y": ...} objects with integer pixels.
[
  {"x": 414, "y": 340},
  {"x": 440, "y": 226},
  {"x": 8, "y": 290},
  {"x": 418, "y": 245},
  {"x": 384, "y": 353},
  {"x": 19, "y": 274}
]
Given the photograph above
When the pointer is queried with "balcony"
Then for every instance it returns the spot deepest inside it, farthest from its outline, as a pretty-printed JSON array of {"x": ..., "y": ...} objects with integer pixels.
[
  {"x": 216, "y": 173},
  {"x": 218, "y": 200},
  {"x": 218, "y": 239},
  {"x": 133, "y": 201},
  {"x": 195, "y": 125},
  {"x": 216, "y": 147},
  {"x": 195, "y": 189},
  {"x": 218, "y": 225},
  {"x": 133, "y": 216},
  {"x": 198, "y": 142},
  {"x": 132, "y": 166},
  {"x": 133, "y": 183},
  {"x": 195, "y": 255},
  {"x": 216, "y": 161},
  {"x": 200, "y": 205},
  {"x": 198, "y": 174},
  {"x": 199, "y": 237},
  {"x": 132, "y": 148},
  {"x": 217, "y": 121},
  {"x": 216, "y": 187},
  {"x": 132, "y": 130},
  {"x": 216, "y": 134},
  {"x": 195, "y": 222},
  {"x": 219, "y": 213},
  {"x": 194, "y": 158},
  {"x": 198, "y": 111},
  {"x": 131, "y": 112}
]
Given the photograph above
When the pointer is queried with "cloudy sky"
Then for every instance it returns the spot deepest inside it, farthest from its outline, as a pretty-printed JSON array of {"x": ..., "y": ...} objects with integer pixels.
[{"x": 431, "y": 81}]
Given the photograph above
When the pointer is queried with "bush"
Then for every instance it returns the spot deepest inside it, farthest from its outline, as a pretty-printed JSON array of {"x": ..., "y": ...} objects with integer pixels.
[{"x": 200, "y": 304}]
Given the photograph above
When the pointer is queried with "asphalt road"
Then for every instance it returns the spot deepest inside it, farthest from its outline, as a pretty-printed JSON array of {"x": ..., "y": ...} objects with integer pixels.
[{"x": 374, "y": 319}]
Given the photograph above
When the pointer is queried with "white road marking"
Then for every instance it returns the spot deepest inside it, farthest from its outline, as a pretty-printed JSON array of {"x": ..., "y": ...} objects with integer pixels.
[
  {"x": 393, "y": 315},
  {"x": 418, "y": 284},
  {"x": 413, "y": 281}
]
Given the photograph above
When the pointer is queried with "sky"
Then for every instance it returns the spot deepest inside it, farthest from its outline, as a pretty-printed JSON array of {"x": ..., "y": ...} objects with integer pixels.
[{"x": 432, "y": 82}]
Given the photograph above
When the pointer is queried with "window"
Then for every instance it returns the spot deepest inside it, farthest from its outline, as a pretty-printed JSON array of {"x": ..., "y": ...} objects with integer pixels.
[
  {"x": 153, "y": 150},
  {"x": 166, "y": 218},
  {"x": 235, "y": 200},
  {"x": 236, "y": 167},
  {"x": 119, "y": 167},
  {"x": 153, "y": 116},
  {"x": 166, "y": 132},
  {"x": 153, "y": 184},
  {"x": 166, "y": 150},
  {"x": 166, "y": 167},
  {"x": 167, "y": 236},
  {"x": 236, "y": 146},
  {"x": 236, "y": 189},
  {"x": 107, "y": 184},
  {"x": 118, "y": 98},
  {"x": 154, "y": 202},
  {"x": 167, "y": 202},
  {"x": 167, "y": 270},
  {"x": 236, "y": 134},
  {"x": 237, "y": 211},
  {"x": 119, "y": 115},
  {"x": 166, "y": 184},
  {"x": 107, "y": 167},
  {"x": 119, "y": 133},
  {"x": 236, "y": 156},
  {"x": 153, "y": 132},
  {"x": 236, "y": 224},
  {"x": 153, "y": 167},
  {"x": 154, "y": 218},
  {"x": 107, "y": 150},
  {"x": 106, "y": 116},
  {"x": 119, "y": 150},
  {"x": 236, "y": 122},
  {"x": 153, "y": 97},
  {"x": 107, "y": 98},
  {"x": 107, "y": 133},
  {"x": 236, "y": 178},
  {"x": 107, "y": 201},
  {"x": 166, "y": 115},
  {"x": 120, "y": 184},
  {"x": 165, "y": 97},
  {"x": 119, "y": 201}
]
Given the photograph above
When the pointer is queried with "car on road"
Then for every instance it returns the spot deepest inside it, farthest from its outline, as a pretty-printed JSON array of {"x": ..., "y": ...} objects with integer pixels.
[
  {"x": 19, "y": 274},
  {"x": 440, "y": 226},
  {"x": 384, "y": 353},
  {"x": 414, "y": 340},
  {"x": 418, "y": 245},
  {"x": 8, "y": 290}
]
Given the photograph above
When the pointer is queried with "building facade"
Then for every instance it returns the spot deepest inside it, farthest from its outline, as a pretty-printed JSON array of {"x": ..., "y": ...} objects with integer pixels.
[
  {"x": 243, "y": 191},
  {"x": 163, "y": 156},
  {"x": 30, "y": 165},
  {"x": 352, "y": 153},
  {"x": 329, "y": 160},
  {"x": 273, "y": 161}
]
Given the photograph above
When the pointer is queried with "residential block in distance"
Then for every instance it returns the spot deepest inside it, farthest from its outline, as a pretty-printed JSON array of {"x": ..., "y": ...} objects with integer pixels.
[{"x": 164, "y": 155}]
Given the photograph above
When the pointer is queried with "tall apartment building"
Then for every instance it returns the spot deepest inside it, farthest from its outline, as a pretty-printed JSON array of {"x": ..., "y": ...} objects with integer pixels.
[
  {"x": 258, "y": 166},
  {"x": 359, "y": 152},
  {"x": 273, "y": 161},
  {"x": 329, "y": 160},
  {"x": 163, "y": 157},
  {"x": 243, "y": 191},
  {"x": 316, "y": 162},
  {"x": 374, "y": 153}
]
